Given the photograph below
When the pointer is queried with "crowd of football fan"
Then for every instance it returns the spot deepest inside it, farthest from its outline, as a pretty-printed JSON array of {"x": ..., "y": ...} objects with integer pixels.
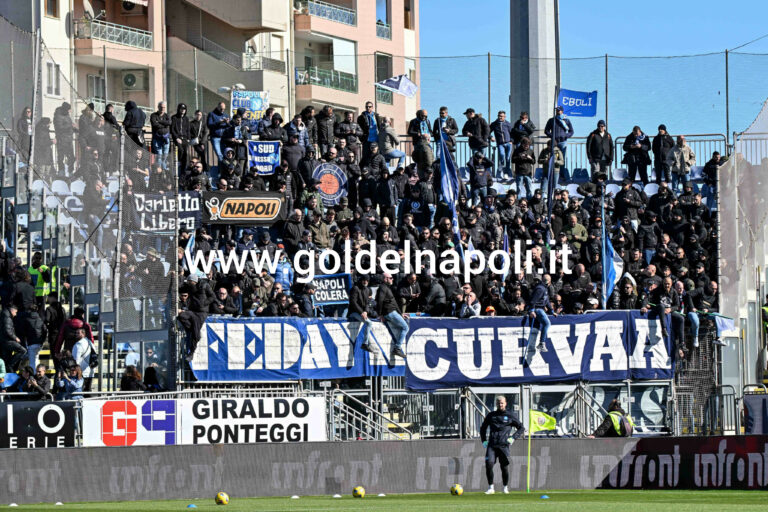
[{"x": 664, "y": 240}]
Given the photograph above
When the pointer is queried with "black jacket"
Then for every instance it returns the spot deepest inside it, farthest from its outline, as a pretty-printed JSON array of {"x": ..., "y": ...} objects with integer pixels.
[
  {"x": 350, "y": 131},
  {"x": 198, "y": 130},
  {"x": 362, "y": 121},
  {"x": 451, "y": 130},
  {"x": 636, "y": 156},
  {"x": 7, "y": 330},
  {"x": 600, "y": 146},
  {"x": 500, "y": 424},
  {"x": 161, "y": 124},
  {"x": 133, "y": 122},
  {"x": 180, "y": 125},
  {"x": 385, "y": 301},
  {"x": 478, "y": 131},
  {"x": 325, "y": 128},
  {"x": 661, "y": 146},
  {"x": 359, "y": 298},
  {"x": 520, "y": 130}
]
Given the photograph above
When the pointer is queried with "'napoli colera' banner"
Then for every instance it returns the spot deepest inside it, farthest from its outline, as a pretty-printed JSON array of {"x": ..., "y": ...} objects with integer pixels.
[
  {"x": 331, "y": 289},
  {"x": 442, "y": 352},
  {"x": 577, "y": 103}
]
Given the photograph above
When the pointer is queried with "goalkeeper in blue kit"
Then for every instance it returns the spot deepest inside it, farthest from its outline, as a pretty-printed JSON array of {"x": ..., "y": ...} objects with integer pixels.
[{"x": 497, "y": 443}]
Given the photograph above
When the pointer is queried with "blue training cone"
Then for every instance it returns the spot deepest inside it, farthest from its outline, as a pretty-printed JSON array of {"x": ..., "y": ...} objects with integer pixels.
[
  {"x": 544, "y": 497},
  {"x": 191, "y": 505}
]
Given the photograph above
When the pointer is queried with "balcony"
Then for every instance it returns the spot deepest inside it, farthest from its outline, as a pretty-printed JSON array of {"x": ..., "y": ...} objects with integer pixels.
[
  {"x": 383, "y": 96},
  {"x": 329, "y": 78},
  {"x": 113, "y": 33},
  {"x": 383, "y": 30},
  {"x": 327, "y": 11},
  {"x": 241, "y": 61}
]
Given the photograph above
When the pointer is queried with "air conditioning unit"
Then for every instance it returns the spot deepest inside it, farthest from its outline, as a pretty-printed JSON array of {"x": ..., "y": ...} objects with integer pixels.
[
  {"x": 135, "y": 80},
  {"x": 128, "y": 8}
]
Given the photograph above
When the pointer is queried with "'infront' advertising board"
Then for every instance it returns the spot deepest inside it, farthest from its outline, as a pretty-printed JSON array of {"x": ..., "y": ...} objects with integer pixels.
[{"x": 203, "y": 421}]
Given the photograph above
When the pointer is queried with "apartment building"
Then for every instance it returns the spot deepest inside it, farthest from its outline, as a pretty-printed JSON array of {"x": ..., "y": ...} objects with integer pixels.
[
  {"x": 343, "y": 47},
  {"x": 217, "y": 44}
]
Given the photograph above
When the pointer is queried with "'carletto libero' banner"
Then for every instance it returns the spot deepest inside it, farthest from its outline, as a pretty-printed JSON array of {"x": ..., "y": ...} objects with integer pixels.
[{"x": 203, "y": 421}]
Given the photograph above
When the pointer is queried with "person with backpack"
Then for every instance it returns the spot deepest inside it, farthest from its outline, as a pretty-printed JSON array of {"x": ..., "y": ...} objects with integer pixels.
[{"x": 615, "y": 424}]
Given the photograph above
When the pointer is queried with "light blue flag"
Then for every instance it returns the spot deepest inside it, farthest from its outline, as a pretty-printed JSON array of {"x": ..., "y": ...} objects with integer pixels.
[{"x": 449, "y": 189}]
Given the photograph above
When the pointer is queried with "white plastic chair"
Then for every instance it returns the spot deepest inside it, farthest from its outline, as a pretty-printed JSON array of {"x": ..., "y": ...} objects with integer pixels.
[
  {"x": 77, "y": 187},
  {"x": 651, "y": 189},
  {"x": 612, "y": 188}
]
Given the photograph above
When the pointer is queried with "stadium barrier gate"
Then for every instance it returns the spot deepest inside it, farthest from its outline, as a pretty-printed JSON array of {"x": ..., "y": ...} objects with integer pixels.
[{"x": 326, "y": 468}]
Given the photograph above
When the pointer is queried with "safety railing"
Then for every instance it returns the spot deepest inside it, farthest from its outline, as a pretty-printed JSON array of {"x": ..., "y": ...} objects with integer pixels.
[
  {"x": 113, "y": 33},
  {"x": 473, "y": 411},
  {"x": 383, "y": 30},
  {"x": 100, "y": 105},
  {"x": 327, "y": 10},
  {"x": 702, "y": 145},
  {"x": 351, "y": 419},
  {"x": 241, "y": 61},
  {"x": 722, "y": 415},
  {"x": 331, "y": 78}
]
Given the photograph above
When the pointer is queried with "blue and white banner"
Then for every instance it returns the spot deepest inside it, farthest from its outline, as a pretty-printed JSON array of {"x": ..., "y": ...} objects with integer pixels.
[
  {"x": 255, "y": 104},
  {"x": 442, "y": 352},
  {"x": 265, "y": 156},
  {"x": 331, "y": 289},
  {"x": 578, "y": 103}
]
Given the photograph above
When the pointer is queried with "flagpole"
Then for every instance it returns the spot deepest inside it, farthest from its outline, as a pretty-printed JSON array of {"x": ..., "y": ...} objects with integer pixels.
[
  {"x": 528, "y": 479},
  {"x": 604, "y": 251},
  {"x": 551, "y": 166}
]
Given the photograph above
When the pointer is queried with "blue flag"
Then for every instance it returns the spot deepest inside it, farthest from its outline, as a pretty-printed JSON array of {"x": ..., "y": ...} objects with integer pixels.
[
  {"x": 578, "y": 103},
  {"x": 505, "y": 248},
  {"x": 449, "y": 185},
  {"x": 613, "y": 265}
]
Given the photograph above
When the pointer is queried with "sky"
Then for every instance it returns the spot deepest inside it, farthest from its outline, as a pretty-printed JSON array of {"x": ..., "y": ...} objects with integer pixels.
[{"x": 687, "y": 93}]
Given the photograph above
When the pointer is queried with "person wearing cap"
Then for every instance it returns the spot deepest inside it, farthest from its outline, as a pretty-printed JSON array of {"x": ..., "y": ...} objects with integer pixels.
[
  {"x": 375, "y": 161},
  {"x": 648, "y": 236},
  {"x": 389, "y": 143},
  {"x": 446, "y": 125},
  {"x": 293, "y": 151},
  {"x": 501, "y": 134},
  {"x": 304, "y": 300},
  {"x": 636, "y": 147},
  {"x": 311, "y": 191},
  {"x": 490, "y": 311},
  {"x": 680, "y": 159},
  {"x": 389, "y": 312},
  {"x": 662, "y": 144},
  {"x": 560, "y": 129},
  {"x": 600, "y": 149},
  {"x": 421, "y": 136},
  {"x": 524, "y": 159},
  {"x": 477, "y": 130}
]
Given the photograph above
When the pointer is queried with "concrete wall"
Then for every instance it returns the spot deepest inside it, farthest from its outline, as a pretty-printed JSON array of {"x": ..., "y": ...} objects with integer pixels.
[{"x": 176, "y": 472}]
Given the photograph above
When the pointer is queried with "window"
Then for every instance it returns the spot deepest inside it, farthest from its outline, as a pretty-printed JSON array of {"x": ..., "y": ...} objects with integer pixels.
[
  {"x": 383, "y": 67},
  {"x": 410, "y": 69},
  {"x": 96, "y": 87},
  {"x": 53, "y": 82},
  {"x": 52, "y": 8},
  {"x": 408, "y": 8}
]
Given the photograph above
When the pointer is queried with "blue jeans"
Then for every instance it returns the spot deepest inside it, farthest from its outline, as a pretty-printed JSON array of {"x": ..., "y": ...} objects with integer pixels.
[
  {"x": 708, "y": 195},
  {"x": 161, "y": 147},
  {"x": 432, "y": 210},
  {"x": 527, "y": 183},
  {"x": 478, "y": 195},
  {"x": 355, "y": 317},
  {"x": 649, "y": 254},
  {"x": 396, "y": 322},
  {"x": 545, "y": 181},
  {"x": 693, "y": 317},
  {"x": 216, "y": 143},
  {"x": 564, "y": 171},
  {"x": 677, "y": 181},
  {"x": 395, "y": 153},
  {"x": 543, "y": 320},
  {"x": 505, "y": 159}
]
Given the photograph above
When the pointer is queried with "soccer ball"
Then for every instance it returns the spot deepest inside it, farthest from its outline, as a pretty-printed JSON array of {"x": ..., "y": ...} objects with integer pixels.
[
  {"x": 457, "y": 490},
  {"x": 358, "y": 492},
  {"x": 222, "y": 498}
]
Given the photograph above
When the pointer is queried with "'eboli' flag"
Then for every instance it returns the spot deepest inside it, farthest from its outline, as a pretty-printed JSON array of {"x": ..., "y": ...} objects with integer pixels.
[
  {"x": 537, "y": 421},
  {"x": 578, "y": 103}
]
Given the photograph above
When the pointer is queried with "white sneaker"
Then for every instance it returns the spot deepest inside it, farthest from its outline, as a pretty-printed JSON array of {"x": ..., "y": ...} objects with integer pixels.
[
  {"x": 490, "y": 490},
  {"x": 695, "y": 342},
  {"x": 506, "y": 491}
]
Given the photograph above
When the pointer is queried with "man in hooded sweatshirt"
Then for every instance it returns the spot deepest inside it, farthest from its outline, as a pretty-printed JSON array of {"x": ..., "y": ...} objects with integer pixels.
[
  {"x": 180, "y": 134},
  {"x": 133, "y": 123}
]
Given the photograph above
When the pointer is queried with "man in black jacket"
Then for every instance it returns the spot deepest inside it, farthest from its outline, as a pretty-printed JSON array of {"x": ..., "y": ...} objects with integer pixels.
[
  {"x": 370, "y": 122},
  {"x": 389, "y": 313},
  {"x": 180, "y": 134},
  {"x": 447, "y": 125},
  {"x": 326, "y": 122},
  {"x": 522, "y": 128},
  {"x": 478, "y": 131},
  {"x": 662, "y": 143},
  {"x": 11, "y": 351},
  {"x": 420, "y": 134},
  {"x": 192, "y": 319},
  {"x": 161, "y": 133},
  {"x": 600, "y": 149},
  {"x": 500, "y": 423},
  {"x": 359, "y": 299}
]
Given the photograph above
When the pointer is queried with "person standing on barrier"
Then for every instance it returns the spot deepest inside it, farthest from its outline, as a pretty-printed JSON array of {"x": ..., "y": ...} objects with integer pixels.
[
  {"x": 192, "y": 319},
  {"x": 636, "y": 147},
  {"x": 447, "y": 125},
  {"x": 133, "y": 124},
  {"x": 419, "y": 131},
  {"x": 501, "y": 133},
  {"x": 390, "y": 314},
  {"x": 560, "y": 129},
  {"x": 495, "y": 435},
  {"x": 29, "y": 323},
  {"x": 600, "y": 150},
  {"x": 217, "y": 122},
  {"x": 662, "y": 143},
  {"x": 680, "y": 159},
  {"x": 65, "y": 135},
  {"x": 180, "y": 134}
]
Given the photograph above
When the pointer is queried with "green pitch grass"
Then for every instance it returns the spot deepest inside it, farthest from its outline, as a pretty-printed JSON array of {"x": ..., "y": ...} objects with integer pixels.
[{"x": 570, "y": 501}]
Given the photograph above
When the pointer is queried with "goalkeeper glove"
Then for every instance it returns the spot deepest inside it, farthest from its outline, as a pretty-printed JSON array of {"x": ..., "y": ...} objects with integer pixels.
[{"x": 485, "y": 444}]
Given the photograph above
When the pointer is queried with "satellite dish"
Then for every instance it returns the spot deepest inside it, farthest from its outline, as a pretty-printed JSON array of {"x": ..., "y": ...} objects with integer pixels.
[{"x": 89, "y": 15}]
